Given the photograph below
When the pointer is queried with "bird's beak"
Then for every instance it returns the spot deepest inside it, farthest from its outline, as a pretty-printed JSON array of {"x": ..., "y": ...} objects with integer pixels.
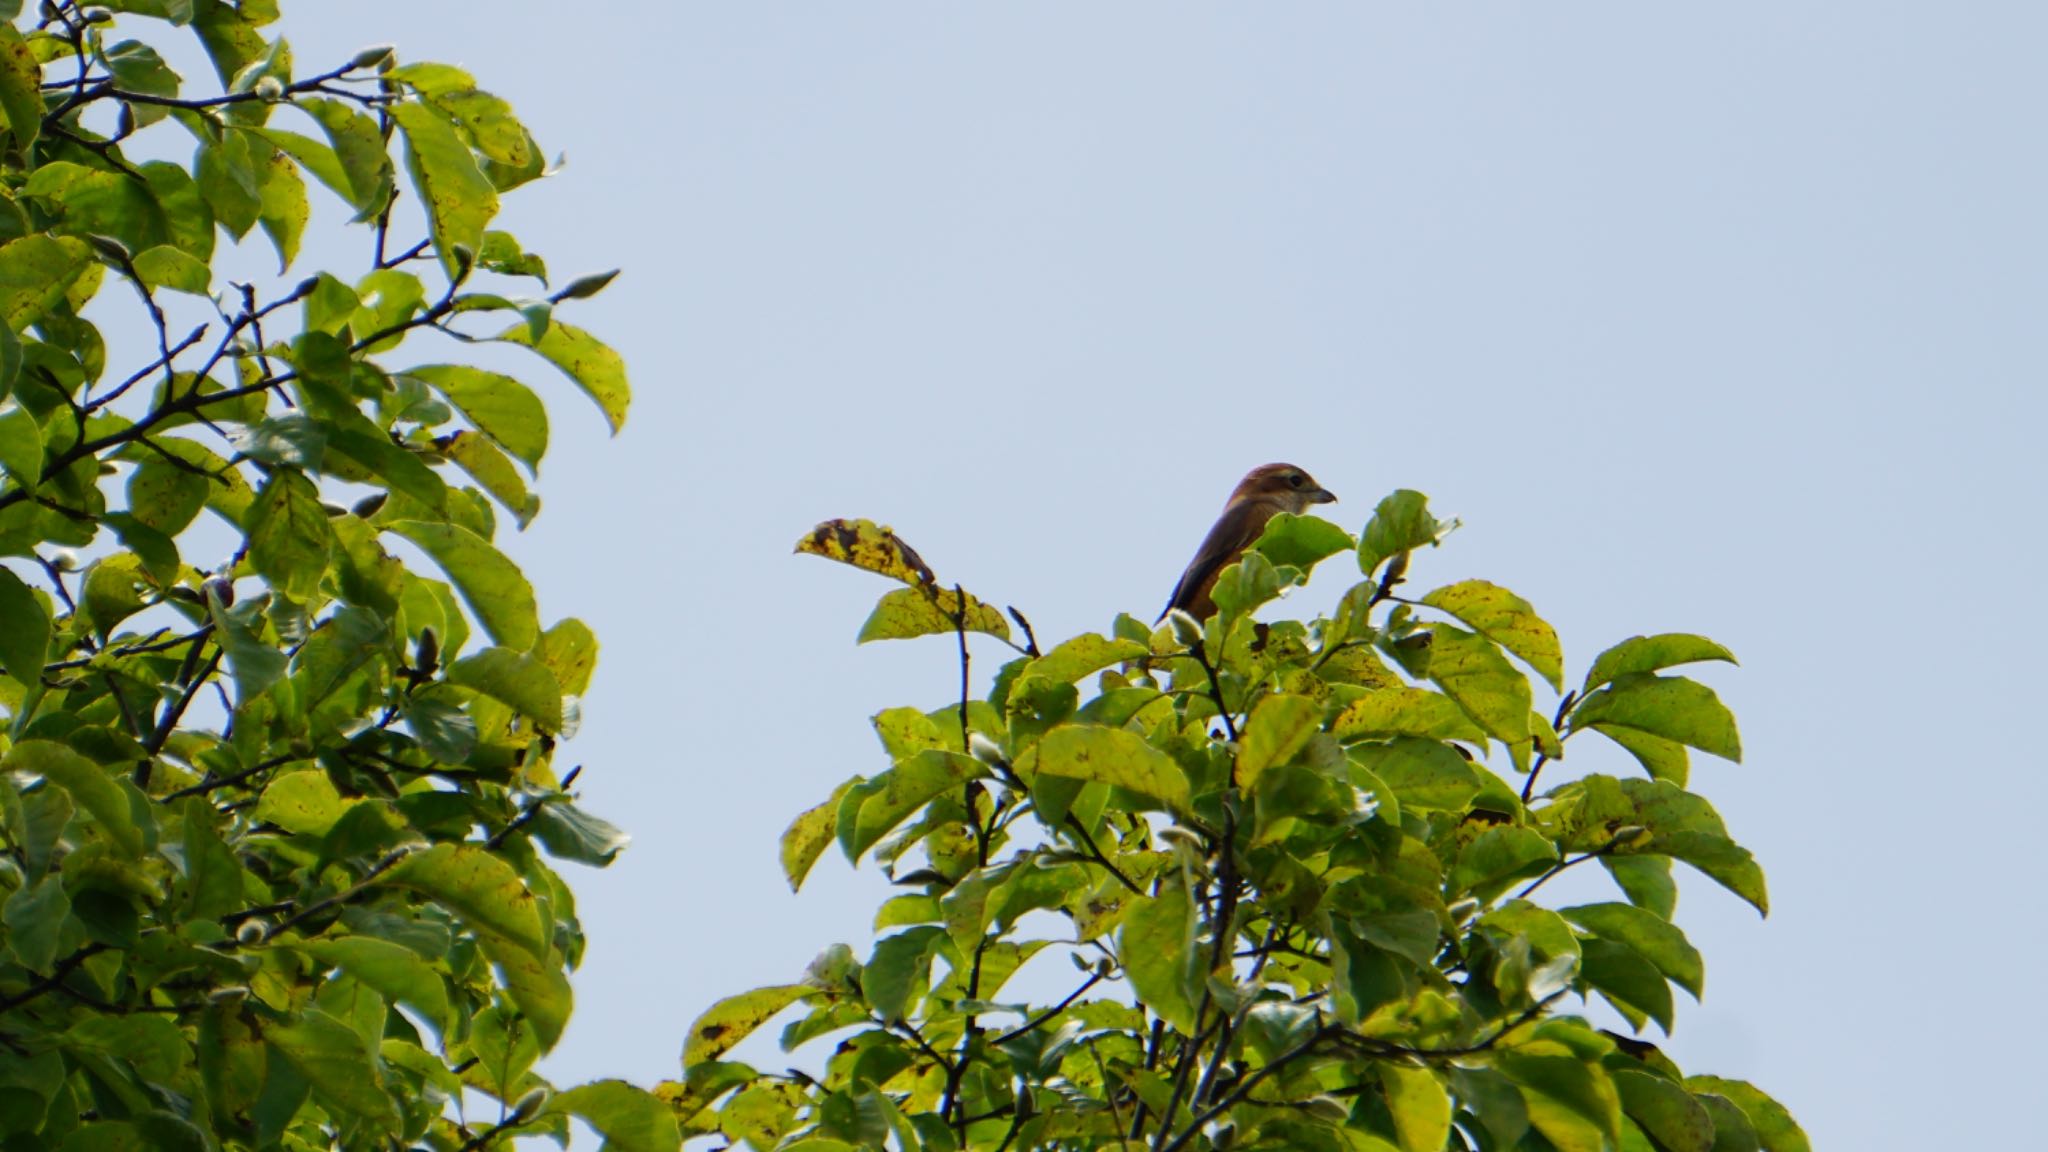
[{"x": 1322, "y": 496}]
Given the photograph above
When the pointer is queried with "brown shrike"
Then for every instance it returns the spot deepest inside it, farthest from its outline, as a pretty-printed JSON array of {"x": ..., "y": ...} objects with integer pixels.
[{"x": 1265, "y": 490}]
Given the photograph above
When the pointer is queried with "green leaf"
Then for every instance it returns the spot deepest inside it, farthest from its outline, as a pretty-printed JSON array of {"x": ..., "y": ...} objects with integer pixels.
[
  {"x": 516, "y": 679},
  {"x": 630, "y": 1119},
  {"x": 476, "y": 455},
  {"x": 899, "y": 966},
  {"x": 1581, "y": 1090},
  {"x": 1646, "y": 881},
  {"x": 588, "y": 362},
  {"x": 1671, "y": 707},
  {"x": 89, "y": 784},
  {"x": 34, "y": 915},
  {"x": 334, "y": 1060},
  {"x": 303, "y": 801},
  {"x": 1657, "y": 939},
  {"x": 1400, "y": 524},
  {"x": 24, "y": 631},
  {"x": 1662, "y": 759},
  {"x": 283, "y": 210},
  {"x": 569, "y": 649},
  {"x": 570, "y": 833},
  {"x": 1279, "y": 728},
  {"x": 21, "y": 446},
  {"x": 395, "y": 971},
  {"x": 1405, "y": 711},
  {"x": 1471, "y": 670},
  {"x": 1775, "y": 1128},
  {"x": 1639, "y": 654},
  {"x": 871, "y": 809},
  {"x": 21, "y": 78},
  {"x": 164, "y": 266},
  {"x": 1083, "y": 655},
  {"x": 1420, "y": 1106},
  {"x": 733, "y": 1019},
  {"x": 1729, "y": 864},
  {"x": 35, "y": 273},
  {"x": 1499, "y": 855},
  {"x": 1732, "y": 1130},
  {"x": 289, "y": 537},
  {"x": 1628, "y": 980},
  {"x": 1421, "y": 773},
  {"x": 1111, "y": 756},
  {"x": 446, "y": 732},
  {"x": 478, "y": 887},
  {"x": 907, "y": 613},
  {"x": 490, "y": 584},
  {"x": 253, "y": 662},
  {"x": 1157, "y": 947},
  {"x": 1507, "y": 620},
  {"x": 460, "y": 200},
  {"x": 536, "y": 985},
  {"x": 361, "y": 160},
  {"x": 805, "y": 840},
  {"x": 1301, "y": 541},
  {"x": 1665, "y": 1111},
  {"x": 499, "y": 406}
]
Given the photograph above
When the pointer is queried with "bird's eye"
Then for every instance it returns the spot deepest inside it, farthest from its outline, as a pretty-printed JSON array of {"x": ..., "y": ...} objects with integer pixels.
[{"x": 1294, "y": 480}]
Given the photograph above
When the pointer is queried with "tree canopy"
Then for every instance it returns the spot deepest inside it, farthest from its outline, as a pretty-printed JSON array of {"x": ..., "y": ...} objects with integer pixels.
[
  {"x": 1302, "y": 907},
  {"x": 278, "y": 832}
]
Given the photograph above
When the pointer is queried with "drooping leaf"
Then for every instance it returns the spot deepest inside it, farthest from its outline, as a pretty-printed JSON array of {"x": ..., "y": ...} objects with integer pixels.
[
  {"x": 289, "y": 537},
  {"x": 1657, "y": 939},
  {"x": 460, "y": 200},
  {"x": 871, "y": 809},
  {"x": 1472, "y": 672},
  {"x": 477, "y": 886},
  {"x": 334, "y": 1060},
  {"x": 500, "y": 407},
  {"x": 1280, "y": 727},
  {"x": 588, "y": 362},
  {"x": 24, "y": 630},
  {"x": 1507, "y": 620},
  {"x": 516, "y": 679},
  {"x": 869, "y": 546},
  {"x": 1158, "y": 950},
  {"x": 90, "y": 786},
  {"x": 490, "y": 584}
]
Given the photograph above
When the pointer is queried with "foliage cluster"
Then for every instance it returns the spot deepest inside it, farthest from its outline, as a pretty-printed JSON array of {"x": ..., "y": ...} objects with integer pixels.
[
  {"x": 275, "y": 831},
  {"x": 1302, "y": 911}
]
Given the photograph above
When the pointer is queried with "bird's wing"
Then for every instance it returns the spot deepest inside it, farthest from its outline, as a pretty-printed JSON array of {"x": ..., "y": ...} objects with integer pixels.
[{"x": 1232, "y": 533}]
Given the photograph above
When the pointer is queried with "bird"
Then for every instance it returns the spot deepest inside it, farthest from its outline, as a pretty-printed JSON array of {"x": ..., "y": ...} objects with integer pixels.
[{"x": 1265, "y": 490}]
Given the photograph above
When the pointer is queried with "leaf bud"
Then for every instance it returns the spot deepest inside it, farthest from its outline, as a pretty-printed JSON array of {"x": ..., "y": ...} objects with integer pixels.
[
  {"x": 63, "y": 559},
  {"x": 584, "y": 287},
  {"x": 1186, "y": 629},
  {"x": 98, "y": 16},
  {"x": 47, "y": 10},
  {"x": 1463, "y": 909},
  {"x": 986, "y": 750},
  {"x": 369, "y": 505},
  {"x": 229, "y": 994},
  {"x": 1328, "y": 1108},
  {"x": 533, "y": 1101},
  {"x": 1631, "y": 836},
  {"x": 269, "y": 89},
  {"x": 427, "y": 657},
  {"x": 332, "y": 509},
  {"x": 372, "y": 56},
  {"x": 222, "y": 590},
  {"x": 251, "y": 933}
]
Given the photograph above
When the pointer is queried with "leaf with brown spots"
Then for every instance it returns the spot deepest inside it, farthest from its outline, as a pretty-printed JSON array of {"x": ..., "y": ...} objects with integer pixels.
[
  {"x": 732, "y": 1019},
  {"x": 909, "y": 612},
  {"x": 868, "y": 545}
]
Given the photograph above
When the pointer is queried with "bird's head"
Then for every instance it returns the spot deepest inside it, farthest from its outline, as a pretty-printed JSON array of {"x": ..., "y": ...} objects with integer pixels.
[{"x": 1283, "y": 484}]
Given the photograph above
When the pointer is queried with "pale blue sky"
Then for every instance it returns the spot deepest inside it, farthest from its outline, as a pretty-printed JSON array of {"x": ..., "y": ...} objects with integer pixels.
[{"x": 1718, "y": 319}]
